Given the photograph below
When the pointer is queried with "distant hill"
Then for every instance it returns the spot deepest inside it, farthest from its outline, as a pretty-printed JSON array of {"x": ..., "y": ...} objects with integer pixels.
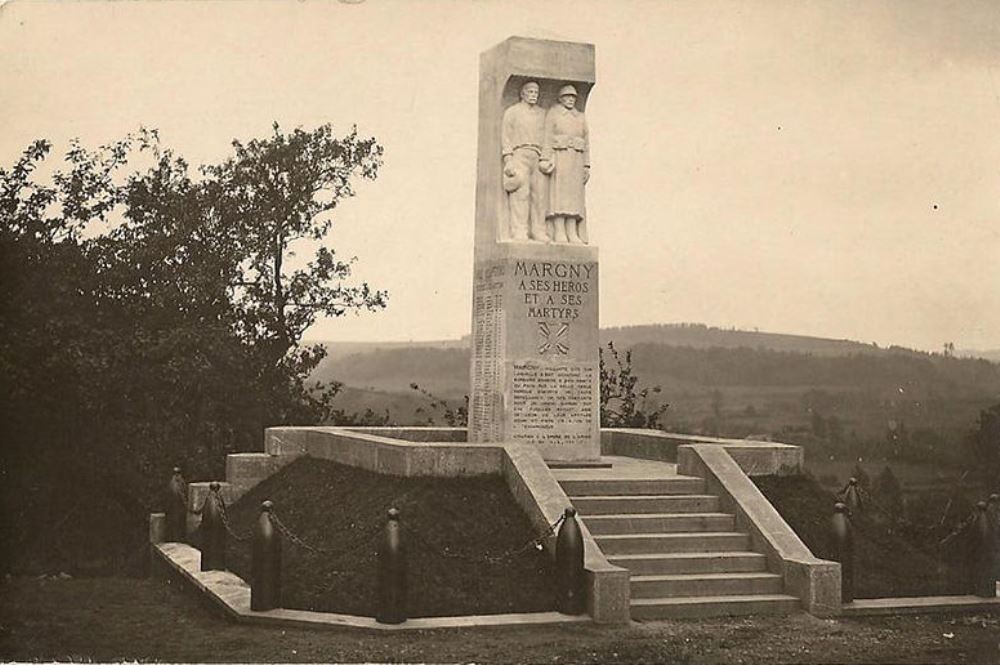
[
  {"x": 993, "y": 355},
  {"x": 443, "y": 371},
  {"x": 700, "y": 336},
  {"x": 337, "y": 350},
  {"x": 687, "y": 356},
  {"x": 694, "y": 335}
]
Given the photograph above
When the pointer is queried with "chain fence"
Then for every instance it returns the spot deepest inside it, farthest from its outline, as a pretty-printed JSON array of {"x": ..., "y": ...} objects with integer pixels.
[
  {"x": 221, "y": 505},
  {"x": 927, "y": 530},
  {"x": 366, "y": 539},
  {"x": 492, "y": 558}
]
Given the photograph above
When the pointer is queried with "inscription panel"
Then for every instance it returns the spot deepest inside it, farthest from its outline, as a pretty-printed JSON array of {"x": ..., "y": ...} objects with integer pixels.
[
  {"x": 552, "y": 405},
  {"x": 488, "y": 347}
]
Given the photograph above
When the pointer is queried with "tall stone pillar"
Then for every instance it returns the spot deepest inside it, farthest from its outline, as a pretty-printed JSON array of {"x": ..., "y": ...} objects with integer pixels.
[{"x": 535, "y": 371}]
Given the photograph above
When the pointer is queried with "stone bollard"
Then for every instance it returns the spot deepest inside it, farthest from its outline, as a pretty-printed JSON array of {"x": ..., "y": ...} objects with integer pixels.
[
  {"x": 213, "y": 531},
  {"x": 569, "y": 565},
  {"x": 984, "y": 585},
  {"x": 176, "y": 512},
  {"x": 265, "y": 566},
  {"x": 852, "y": 497},
  {"x": 843, "y": 548},
  {"x": 391, "y": 573}
]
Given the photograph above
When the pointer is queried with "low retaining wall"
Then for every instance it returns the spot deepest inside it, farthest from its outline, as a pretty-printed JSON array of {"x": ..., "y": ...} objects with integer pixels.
[
  {"x": 815, "y": 581},
  {"x": 417, "y": 451},
  {"x": 369, "y": 448},
  {"x": 756, "y": 458}
]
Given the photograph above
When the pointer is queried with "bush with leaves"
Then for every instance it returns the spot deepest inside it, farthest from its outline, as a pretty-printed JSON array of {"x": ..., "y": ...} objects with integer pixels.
[
  {"x": 453, "y": 416},
  {"x": 982, "y": 447},
  {"x": 622, "y": 405}
]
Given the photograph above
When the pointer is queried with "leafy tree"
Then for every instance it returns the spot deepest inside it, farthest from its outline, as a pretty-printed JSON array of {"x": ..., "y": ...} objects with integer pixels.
[
  {"x": 889, "y": 492},
  {"x": 983, "y": 447},
  {"x": 716, "y": 404},
  {"x": 835, "y": 429},
  {"x": 151, "y": 315},
  {"x": 621, "y": 404},
  {"x": 818, "y": 424}
]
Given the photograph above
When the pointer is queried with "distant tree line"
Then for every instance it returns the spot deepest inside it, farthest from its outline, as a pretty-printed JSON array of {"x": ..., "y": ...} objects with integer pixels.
[{"x": 762, "y": 367}]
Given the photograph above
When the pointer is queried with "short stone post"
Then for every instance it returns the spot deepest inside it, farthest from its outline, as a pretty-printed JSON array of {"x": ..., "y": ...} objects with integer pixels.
[
  {"x": 176, "y": 512},
  {"x": 852, "y": 497},
  {"x": 213, "y": 531},
  {"x": 265, "y": 566},
  {"x": 843, "y": 548},
  {"x": 569, "y": 565},
  {"x": 392, "y": 590},
  {"x": 984, "y": 584}
]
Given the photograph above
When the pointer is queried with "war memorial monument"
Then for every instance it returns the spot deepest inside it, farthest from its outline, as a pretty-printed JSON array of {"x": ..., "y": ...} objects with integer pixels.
[{"x": 535, "y": 369}]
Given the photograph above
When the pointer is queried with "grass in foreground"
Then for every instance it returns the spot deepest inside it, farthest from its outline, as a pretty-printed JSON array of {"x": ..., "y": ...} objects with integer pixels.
[{"x": 114, "y": 619}]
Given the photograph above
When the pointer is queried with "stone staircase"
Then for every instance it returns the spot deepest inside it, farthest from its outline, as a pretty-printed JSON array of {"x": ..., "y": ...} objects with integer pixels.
[{"x": 686, "y": 557}]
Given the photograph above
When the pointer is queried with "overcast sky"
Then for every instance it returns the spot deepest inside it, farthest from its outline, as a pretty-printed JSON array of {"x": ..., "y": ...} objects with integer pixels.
[{"x": 823, "y": 168}]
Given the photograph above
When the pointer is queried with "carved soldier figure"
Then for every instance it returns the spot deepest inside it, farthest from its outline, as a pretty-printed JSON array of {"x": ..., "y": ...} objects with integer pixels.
[
  {"x": 521, "y": 141},
  {"x": 566, "y": 158}
]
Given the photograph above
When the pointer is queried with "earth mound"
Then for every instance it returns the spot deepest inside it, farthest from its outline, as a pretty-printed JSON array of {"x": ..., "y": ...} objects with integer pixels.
[{"x": 468, "y": 544}]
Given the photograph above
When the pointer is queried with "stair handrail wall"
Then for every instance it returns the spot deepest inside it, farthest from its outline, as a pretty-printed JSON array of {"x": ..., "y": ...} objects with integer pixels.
[
  {"x": 725, "y": 466},
  {"x": 539, "y": 494}
]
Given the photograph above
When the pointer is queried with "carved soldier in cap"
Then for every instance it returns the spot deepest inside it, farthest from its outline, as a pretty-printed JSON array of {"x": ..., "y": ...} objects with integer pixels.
[
  {"x": 521, "y": 140},
  {"x": 566, "y": 159}
]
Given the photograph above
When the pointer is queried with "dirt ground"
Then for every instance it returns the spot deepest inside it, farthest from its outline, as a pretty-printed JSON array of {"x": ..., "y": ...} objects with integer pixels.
[{"x": 114, "y": 619}]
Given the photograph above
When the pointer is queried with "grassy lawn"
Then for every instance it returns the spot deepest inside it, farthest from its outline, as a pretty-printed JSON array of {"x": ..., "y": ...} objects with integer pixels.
[{"x": 113, "y": 619}]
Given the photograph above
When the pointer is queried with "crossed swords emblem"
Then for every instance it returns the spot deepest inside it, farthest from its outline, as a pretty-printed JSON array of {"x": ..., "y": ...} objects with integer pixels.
[{"x": 558, "y": 340}]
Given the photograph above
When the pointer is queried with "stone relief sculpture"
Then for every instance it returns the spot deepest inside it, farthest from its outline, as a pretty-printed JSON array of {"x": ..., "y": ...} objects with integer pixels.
[
  {"x": 521, "y": 139},
  {"x": 566, "y": 159}
]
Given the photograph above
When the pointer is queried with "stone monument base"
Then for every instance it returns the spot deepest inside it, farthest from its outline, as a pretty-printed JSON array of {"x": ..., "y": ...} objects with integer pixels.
[{"x": 535, "y": 366}]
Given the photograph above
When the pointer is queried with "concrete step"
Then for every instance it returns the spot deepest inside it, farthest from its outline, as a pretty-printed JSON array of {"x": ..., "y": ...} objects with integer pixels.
[
  {"x": 705, "y": 584},
  {"x": 667, "y": 503},
  {"x": 656, "y": 543},
  {"x": 712, "y": 606},
  {"x": 633, "y": 486},
  {"x": 659, "y": 523},
  {"x": 691, "y": 562}
]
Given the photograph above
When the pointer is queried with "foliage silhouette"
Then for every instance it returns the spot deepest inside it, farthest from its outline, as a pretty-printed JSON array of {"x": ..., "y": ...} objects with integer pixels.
[
  {"x": 153, "y": 315},
  {"x": 621, "y": 404}
]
